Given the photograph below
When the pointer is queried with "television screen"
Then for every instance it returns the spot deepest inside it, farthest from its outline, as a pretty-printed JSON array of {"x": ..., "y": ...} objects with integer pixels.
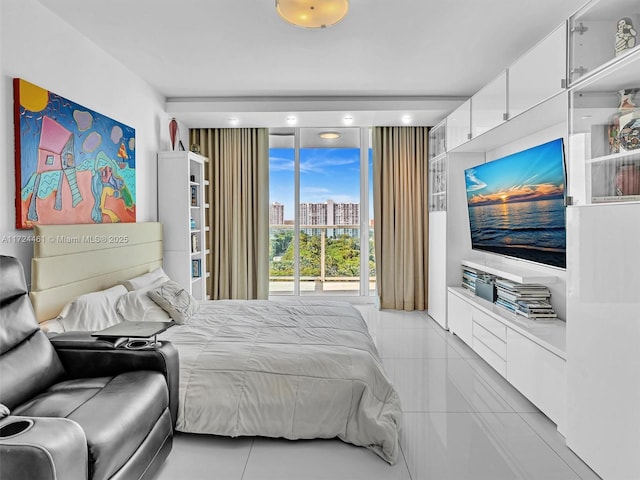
[{"x": 517, "y": 205}]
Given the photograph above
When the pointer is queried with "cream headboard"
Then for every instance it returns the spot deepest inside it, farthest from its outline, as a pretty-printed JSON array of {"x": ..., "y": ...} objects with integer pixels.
[{"x": 71, "y": 260}]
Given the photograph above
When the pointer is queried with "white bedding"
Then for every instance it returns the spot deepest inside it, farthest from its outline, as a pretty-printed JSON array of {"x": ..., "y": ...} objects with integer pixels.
[{"x": 294, "y": 370}]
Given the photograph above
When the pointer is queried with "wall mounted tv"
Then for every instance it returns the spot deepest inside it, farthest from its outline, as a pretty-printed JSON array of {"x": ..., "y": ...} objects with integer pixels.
[{"x": 517, "y": 205}]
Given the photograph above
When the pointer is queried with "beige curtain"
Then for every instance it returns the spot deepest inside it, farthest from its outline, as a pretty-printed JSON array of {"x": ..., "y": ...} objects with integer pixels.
[
  {"x": 238, "y": 195},
  {"x": 400, "y": 200}
]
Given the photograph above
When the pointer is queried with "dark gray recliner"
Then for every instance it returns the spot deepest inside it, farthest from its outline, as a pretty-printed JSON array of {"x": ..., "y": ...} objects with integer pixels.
[{"x": 80, "y": 407}]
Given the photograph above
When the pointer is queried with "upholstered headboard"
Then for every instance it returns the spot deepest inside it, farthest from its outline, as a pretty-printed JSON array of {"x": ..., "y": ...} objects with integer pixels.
[{"x": 71, "y": 260}]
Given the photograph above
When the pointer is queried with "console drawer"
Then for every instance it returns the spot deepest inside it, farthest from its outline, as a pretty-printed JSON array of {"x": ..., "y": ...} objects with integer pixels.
[
  {"x": 490, "y": 340},
  {"x": 494, "y": 326},
  {"x": 489, "y": 356}
]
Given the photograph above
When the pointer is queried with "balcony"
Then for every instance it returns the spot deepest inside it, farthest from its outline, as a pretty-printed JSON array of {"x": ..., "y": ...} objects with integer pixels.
[{"x": 329, "y": 261}]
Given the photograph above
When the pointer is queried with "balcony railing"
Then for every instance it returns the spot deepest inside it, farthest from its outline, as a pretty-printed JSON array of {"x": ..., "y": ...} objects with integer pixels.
[{"x": 329, "y": 260}]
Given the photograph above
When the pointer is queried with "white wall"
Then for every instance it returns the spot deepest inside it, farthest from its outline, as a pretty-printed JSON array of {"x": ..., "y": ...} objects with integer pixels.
[{"x": 41, "y": 48}]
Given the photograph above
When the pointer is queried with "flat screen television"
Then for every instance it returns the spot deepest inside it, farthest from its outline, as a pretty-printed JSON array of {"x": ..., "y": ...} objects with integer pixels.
[{"x": 517, "y": 205}]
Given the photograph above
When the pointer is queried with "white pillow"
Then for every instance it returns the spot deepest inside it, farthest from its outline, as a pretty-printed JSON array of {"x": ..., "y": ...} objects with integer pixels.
[
  {"x": 136, "y": 306},
  {"x": 146, "y": 279},
  {"x": 92, "y": 311},
  {"x": 175, "y": 300}
]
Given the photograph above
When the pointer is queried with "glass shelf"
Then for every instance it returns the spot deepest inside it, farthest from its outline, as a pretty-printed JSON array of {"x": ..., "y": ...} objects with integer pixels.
[
  {"x": 438, "y": 168},
  {"x": 605, "y": 136},
  {"x": 600, "y": 34}
]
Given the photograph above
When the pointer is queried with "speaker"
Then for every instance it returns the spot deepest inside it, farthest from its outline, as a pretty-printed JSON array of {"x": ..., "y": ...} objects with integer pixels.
[{"x": 486, "y": 288}]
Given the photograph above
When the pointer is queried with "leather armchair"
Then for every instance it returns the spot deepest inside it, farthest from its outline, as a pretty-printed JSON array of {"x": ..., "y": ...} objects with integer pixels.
[{"x": 75, "y": 406}]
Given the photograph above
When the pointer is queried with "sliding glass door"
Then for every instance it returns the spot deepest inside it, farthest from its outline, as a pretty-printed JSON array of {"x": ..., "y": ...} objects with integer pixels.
[{"x": 320, "y": 222}]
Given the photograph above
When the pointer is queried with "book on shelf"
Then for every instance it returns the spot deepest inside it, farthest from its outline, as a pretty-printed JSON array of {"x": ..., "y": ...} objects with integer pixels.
[
  {"x": 194, "y": 243},
  {"x": 520, "y": 287},
  {"x": 468, "y": 286},
  {"x": 469, "y": 276},
  {"x": 507, "y": 305},
  {"x": 514, "y": 297},
  {"x": 196, "y": 270},
  {"x": 506, "y": 284},
  {"x": 535, "y": 316},
  {"x": 194, "y": 195},
  {"x": 534, "y": 305}
]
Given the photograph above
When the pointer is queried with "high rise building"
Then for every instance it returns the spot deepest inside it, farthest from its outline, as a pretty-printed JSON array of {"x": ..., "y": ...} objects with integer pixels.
[
  {"x": 345, "y": 213},
  {"x": 276, "y": 214},
  {"x": 313, "y": 214}
]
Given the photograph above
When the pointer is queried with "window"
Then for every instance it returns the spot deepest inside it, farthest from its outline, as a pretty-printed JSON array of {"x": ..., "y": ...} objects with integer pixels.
[{"x": 321, "y": 230}]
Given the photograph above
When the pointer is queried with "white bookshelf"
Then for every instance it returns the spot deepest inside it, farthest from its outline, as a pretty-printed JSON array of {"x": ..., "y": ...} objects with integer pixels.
[{"x": 181, "y": 199}]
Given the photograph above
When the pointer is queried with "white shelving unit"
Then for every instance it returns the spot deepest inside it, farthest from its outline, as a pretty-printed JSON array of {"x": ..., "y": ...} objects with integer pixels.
[
  {"x": 524, "y": 106},
  {"x": 580, "y": 373},
  {"x": 514, "y": 273},
  {"x": 530, "y": 354},
  {"x": 181, "y": 210},
  {"x": 446, "y": 201}
]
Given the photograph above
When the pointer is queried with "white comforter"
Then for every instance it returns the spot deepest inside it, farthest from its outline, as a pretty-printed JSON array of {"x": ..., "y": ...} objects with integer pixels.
[{"x": 292, "y": 370}]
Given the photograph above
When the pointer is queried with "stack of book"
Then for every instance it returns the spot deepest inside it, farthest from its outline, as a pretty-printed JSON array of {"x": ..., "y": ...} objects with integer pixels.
[
  {"x": 526, "y": 299},
  {"x": 469, "y": 276},
  {"x": 535, "y": 310}
]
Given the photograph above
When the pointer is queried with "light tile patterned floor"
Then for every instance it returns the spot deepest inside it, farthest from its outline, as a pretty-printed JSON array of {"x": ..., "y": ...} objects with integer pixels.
[{"x": 461, "y": 421}]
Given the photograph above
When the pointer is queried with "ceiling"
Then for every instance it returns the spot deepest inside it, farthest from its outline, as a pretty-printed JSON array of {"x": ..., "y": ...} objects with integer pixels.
[{"x": 220, "y": 59}]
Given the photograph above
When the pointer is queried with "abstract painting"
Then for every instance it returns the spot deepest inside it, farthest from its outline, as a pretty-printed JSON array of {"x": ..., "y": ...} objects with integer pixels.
[{"x": 73, "y": 165}]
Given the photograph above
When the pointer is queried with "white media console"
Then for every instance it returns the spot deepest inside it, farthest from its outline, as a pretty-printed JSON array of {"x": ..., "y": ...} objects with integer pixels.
[{"x": 530, "y": 354}]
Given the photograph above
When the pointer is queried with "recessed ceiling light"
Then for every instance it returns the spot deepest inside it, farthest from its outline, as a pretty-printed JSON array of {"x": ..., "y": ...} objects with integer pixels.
[
  {"x": 406, "y": 119},
  {"x": 329, "y": 135},
  {"x": 233, "y": 120},
  {"x": 347, "y": 119},
  {"x": 292, "y": 120}
]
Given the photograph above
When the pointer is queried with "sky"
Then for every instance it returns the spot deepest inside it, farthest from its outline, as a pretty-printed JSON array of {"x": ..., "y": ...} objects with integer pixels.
[
  {"x": 533, "y": 174},
  {"x": 325, "y": 173}
]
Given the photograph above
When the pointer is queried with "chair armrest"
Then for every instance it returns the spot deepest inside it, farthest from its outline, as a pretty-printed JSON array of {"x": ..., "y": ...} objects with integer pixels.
[
  {"x": 49, "y": 449},
  {"x": 84, "y": 356},
  {"x": 84, "y": 340}
]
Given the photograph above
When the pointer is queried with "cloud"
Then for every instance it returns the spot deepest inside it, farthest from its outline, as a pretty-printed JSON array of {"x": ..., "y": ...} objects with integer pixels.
[
  {"x": 281, "y": 164},
  {"x": 520, "y": 193},
  {"x": 473, "y": 182}
]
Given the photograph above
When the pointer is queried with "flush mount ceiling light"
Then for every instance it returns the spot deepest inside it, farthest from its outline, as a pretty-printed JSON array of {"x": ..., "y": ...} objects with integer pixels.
[
  {"x": 329, "y": 135},
  {"x": 312, "y": 13}
]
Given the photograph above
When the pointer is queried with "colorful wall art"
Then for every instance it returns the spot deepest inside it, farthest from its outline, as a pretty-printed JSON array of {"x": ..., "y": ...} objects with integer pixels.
[{"x": 73, "y": 165}]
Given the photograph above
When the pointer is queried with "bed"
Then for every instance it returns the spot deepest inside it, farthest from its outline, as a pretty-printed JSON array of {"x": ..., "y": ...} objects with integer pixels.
[{"x": 291, "y": 369}]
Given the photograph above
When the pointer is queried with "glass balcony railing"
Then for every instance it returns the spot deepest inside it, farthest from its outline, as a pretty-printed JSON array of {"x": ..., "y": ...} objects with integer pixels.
[{"x": 330, "y": 260}]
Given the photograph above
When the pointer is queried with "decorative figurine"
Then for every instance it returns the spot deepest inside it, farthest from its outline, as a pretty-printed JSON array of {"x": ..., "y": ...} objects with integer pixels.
[
  {"x": 174, "y": 134},
  {"x": 627, "y": 111},
  {"x": 625, "y": 36}
]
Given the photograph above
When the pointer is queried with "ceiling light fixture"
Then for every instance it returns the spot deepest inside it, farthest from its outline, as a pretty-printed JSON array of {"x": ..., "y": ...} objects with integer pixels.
[
  {"x": 347, "y": 119},
  {"x": 292, "y": 120},
  {"x": 234, "y": 120},
  {"x": 329, "y": 135},
  {"x": 312, "y": 13},
  {"x": 406, "y": 119}
]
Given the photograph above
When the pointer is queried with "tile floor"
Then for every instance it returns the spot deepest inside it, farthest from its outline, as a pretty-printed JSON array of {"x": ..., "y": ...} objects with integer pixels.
[{"x": 461, "y": 421}]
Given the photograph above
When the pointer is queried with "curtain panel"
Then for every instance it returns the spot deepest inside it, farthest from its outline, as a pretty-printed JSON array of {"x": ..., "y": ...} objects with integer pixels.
[
  {"x": 238, "y": 214},
  {"x": 400, "y": 198}
]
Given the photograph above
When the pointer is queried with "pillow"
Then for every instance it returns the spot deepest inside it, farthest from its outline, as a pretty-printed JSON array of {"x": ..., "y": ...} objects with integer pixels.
[
  {"x": 136, "y": 306},
  {"x": 146, "y": 279},
  {"x": 175, "y": 300},
  {"x": 92, "y": 311}
]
